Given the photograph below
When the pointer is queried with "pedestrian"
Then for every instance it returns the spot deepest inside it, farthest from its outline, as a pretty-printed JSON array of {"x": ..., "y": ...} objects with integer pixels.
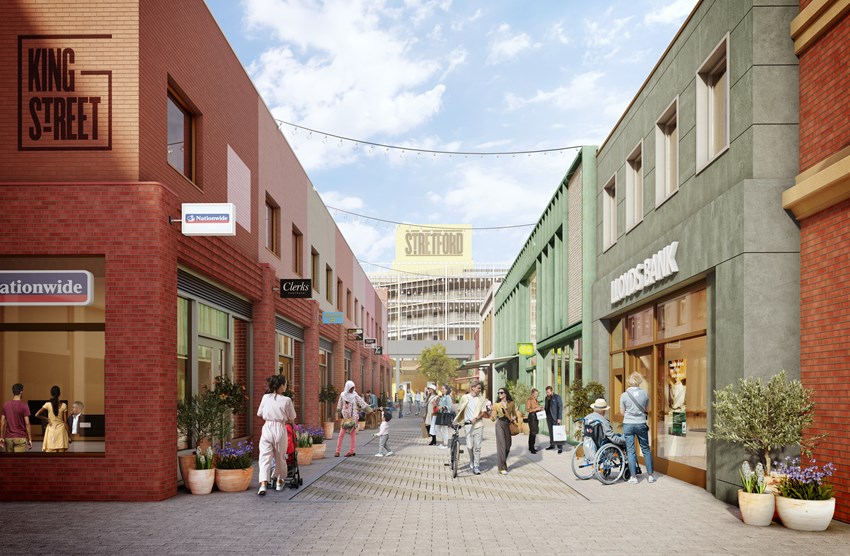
[
  {"x": 400, "y": 402},
  {"x": 417, "y": 400},
  {"x": 532, "y": 406},
  {"x": 444, "y": 405},
  {"x": 431, "y": 412},
  {"x": 348, "y": 407},
  {"x": 599, "y": 407},
  {"x": 56, "y": 433},
  {"x": 635, "y": 405},
  {"x": 383, "y": 435},
  {"x": 554, "y": 413},
  {"x": 473, "y": 408},
  {"x": 408, "y": 401},
  {"x": 15, "y": 431},
  {"x": 275, "y": 409},
  {"x": 504, "y": 413}
]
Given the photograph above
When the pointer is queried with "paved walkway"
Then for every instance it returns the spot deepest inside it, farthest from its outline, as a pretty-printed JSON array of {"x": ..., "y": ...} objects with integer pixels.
[{"x": 408, "y": 503}]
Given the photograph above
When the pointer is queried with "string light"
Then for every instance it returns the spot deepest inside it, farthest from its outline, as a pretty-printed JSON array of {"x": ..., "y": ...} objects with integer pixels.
[
  {"x": 428, "y": 225},
  {"x": 435, "y": 152}
]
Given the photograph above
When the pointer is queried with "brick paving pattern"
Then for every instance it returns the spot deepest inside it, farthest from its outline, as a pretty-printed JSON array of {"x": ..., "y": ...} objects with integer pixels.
[{"x": 408, "y": 503}]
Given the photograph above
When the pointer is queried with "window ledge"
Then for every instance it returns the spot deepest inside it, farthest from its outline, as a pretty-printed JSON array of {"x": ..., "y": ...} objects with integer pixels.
[
  {"x": 667, "y": 198},
  {"x": 711, "y": 160}
]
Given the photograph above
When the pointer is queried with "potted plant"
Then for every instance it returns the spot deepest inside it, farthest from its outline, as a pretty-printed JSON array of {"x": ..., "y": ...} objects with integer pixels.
[
  {"x": 197, "y": 420},
  {"x": 520, "y": 392},
  {"x": 328, "y": 396},
  {"x": 763, "y": 417},
  {"x": 234, "y": 466},
  {"x": 804, "y": 497},
  {"x": 230, "y": 399},
  {"x": 202, "y": 477},
  {"x": 319, "y": 446},
  {"x": 304, "y": 443},
  {"x": 579, "y": 398},
  {"x": 756, "y": 505},
  {"x": 361, "y": 422}
]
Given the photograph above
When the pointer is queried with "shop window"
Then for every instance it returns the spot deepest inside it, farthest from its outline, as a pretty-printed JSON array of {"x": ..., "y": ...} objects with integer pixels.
[
  {"x": 180, "y": 139},
  {"x": 297, "y": 252},
  {"x": 272, "y": 227},
  {"x": 285, "y": 355},
  {"x": 314, "y": 269},
  {"x": 347, "y": 368},
  {"x": 667, "y": 153},
  {"x": 183, "y": 365},
  {"x": 213, "y": 322},
  {"x": 682, "y": 315},
  {"x": 609, "y": 213},
  {"x": 57, "y": 345},
  {"x": 712, "y": 105},
  {"x": 634, "y": 187},
  {"x": 639, "y": 328}
]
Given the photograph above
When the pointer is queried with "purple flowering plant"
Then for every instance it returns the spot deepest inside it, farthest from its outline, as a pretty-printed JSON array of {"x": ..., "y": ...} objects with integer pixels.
[
  {"x": 240, "y": 456},
  {"x": 317, "y": 434},
  {"x": 804, "y": 483}
]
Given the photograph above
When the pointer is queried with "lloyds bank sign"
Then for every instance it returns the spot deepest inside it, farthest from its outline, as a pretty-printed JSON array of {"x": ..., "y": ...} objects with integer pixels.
[{"x": 653, "y": 269}]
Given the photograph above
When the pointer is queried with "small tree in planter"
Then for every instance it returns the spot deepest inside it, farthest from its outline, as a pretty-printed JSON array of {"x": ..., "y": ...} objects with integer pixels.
[
  {"x": 580, "y": 398},
  {"x": 763, "y": 417},
  {"x": 328, "y": 397}
]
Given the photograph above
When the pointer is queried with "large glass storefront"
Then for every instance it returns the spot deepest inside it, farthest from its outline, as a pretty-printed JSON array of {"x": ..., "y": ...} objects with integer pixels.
[
  {"x": 57, "y": 345},
  {"x": 666, "y": 343}
]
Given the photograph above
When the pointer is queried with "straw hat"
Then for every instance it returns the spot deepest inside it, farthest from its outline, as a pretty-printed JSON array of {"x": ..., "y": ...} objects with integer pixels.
[{"x": 600, "y": 405}]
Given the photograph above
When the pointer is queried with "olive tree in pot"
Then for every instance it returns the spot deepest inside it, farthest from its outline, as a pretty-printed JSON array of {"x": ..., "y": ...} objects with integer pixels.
[
  {"x": 328, "y": 397},
  {"x": 520, "y": 392},
  {"x": 198, "y": 420},
  {"x": 581, "y": 396}
]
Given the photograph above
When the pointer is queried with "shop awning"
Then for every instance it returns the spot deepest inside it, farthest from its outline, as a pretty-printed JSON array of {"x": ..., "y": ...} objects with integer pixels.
[{"x": 483, "y": 362}]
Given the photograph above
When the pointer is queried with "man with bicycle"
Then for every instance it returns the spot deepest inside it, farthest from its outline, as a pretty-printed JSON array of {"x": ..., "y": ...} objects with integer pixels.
[{"x": 474, "y": 408}]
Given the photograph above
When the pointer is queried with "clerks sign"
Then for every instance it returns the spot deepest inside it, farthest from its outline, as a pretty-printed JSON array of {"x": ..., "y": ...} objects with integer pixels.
[
  {"x": 46, "y": 287},
  {"x": 297, "y": 288},
  {"x": 64, "y": 93},
  {"x": 651, "y": 270}
]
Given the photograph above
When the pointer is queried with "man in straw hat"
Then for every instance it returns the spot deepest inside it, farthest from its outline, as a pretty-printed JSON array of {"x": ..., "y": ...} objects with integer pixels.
[{"x": 599, "y": 407}]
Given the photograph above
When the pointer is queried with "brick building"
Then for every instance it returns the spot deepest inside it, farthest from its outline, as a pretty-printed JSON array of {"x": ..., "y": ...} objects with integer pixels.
[
  {"x": 820, "y": 201},
  {"x": 120, "y": 113}
]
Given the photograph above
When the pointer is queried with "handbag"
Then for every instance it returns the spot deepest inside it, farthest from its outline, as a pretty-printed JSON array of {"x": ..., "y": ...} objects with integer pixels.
[
  {"x": 514, "y": 428},
  {"x": 444, "y": 418},
  {"x": 348, "y": 424}
]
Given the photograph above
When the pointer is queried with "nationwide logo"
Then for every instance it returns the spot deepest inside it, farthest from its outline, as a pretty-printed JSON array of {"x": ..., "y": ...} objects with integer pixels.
[
  {"x": 207, "y": 218},
  {"x": 46, "y": 287}
]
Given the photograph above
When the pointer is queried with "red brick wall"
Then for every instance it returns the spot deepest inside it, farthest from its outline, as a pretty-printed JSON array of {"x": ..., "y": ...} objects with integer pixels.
[
  {"x": 240, "y": 371},
  {"x": 825, "y": 327},
  {"x": 825, "y": 96}
]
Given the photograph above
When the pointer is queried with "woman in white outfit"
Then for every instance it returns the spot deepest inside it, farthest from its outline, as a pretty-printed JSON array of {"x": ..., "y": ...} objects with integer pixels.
[{"x": 276, "y": 409}]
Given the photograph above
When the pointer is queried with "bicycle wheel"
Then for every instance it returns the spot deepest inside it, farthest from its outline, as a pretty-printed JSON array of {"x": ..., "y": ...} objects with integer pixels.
[
  {"x": 455, "y": 456},
  {"x": 582, "y": 465},
  {"x": 610, "y": 464}
]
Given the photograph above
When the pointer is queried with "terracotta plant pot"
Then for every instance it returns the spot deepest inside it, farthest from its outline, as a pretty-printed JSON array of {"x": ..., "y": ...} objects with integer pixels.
[
  {"x": 319, "y": 450},
  {"x": 329, "y": 429},
  {"x": 756, "y": 509},
  {"x": 233, "y": 480},
  {"x": 305, "y": 456},
  {"x": 201, "y": 480},
  {"x": 187, "y": 462},
  {"x": 805, "y": 515},
  {"x": 361, "y": 425}
]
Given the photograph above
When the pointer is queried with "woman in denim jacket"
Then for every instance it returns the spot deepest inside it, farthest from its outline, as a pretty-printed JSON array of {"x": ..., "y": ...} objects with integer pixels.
[{"x": 635, "y": 405}]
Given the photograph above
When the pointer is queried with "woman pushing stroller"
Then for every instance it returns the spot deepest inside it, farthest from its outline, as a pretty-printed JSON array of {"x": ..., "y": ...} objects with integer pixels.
[{"x": 276, "y": 409}]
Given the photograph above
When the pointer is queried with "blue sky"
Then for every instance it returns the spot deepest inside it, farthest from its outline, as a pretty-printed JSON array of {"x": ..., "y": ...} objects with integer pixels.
[{"x": 491, "y": 75}]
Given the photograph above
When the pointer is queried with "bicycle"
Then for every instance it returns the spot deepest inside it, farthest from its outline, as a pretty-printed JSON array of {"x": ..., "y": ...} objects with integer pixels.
[{"x": 454, "y": 448}]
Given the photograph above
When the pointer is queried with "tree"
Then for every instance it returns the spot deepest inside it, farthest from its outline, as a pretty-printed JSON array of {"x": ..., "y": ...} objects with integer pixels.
[
  {"x": 436, "y": 366},
  {"x": 520, "y": 392}
]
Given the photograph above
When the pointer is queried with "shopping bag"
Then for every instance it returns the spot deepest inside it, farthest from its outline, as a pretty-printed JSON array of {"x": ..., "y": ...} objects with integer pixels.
[
  {"x": 559, "y": 433},
  {"x": 541, "y": 416}
]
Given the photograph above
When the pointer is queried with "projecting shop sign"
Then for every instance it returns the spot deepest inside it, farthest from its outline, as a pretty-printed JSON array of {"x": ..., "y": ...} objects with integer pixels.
[
  {"x": 209, "y": 219},
  {"x": 333, "y": 317},
  {"x": 651, "y": 270},
  {"x": 295, "y": 288},
  {"x": 46, "y": 287}
]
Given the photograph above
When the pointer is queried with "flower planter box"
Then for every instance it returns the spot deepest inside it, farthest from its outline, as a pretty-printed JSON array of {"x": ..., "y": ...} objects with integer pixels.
[
  {"x": 319, "y": 450},
  {"x": 305, "y": 456},
  {"x": 201, "y": 481},
  {"x": 233, "y": 480},
  {"x": 805, "y": 515},
  {"x": 756, "y": 509}
]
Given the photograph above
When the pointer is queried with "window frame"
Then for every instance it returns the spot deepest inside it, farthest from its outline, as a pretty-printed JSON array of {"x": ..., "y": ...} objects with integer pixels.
[
  {"x": 609, "y": 213},
  {"x": 634, "y": 187},
  {"x": 663, "y": 142},
  {"x": 315, "y": 263},
  {"x": 706, "y": 91},
  {"x": 272, "y": 232},
  {"x": 297, "y": 251},
  {"x": 189, "y": 135},
  {"x": 329, "y": 277}
]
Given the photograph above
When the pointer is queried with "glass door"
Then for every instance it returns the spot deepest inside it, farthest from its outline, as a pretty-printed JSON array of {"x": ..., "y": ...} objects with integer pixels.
[{"x": 212, "y": 362}]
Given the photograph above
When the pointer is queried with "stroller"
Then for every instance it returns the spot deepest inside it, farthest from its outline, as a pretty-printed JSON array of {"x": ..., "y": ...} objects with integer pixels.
[{"x": 293, "y": 474}]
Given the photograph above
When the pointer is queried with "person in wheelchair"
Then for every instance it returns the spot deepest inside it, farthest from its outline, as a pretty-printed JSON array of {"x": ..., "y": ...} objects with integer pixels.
[{"x": 599, "y": 407}]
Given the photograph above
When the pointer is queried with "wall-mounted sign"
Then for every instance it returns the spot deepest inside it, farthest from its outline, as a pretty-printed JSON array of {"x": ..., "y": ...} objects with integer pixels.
[
  {"x": 64, "y": 93},
  {"x": 333, "y": 317},
  {"x": 651, "y": 270},
  {"x": 379, "y": 350},
  {"x": 355, "y": 333},
  {"x": 46, "y": 287},
  {"x": 525, "y": 349},
  {"x": 297, "y": 288},
  {"x": 370, "y": 341},
  {"x": 209, "y": 219}
]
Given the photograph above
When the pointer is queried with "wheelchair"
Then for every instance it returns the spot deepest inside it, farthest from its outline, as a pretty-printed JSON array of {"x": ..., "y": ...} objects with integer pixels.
[{"x": 598, "y": 456}]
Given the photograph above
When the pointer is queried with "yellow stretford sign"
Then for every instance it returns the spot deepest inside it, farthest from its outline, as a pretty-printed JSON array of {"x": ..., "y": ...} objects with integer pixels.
[{"x": 525, "y": 349}]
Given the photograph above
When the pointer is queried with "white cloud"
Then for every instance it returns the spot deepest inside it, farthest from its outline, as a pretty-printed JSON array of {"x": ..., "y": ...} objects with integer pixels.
[
  {"x": 506, "y": 46},
  {"x": 367, "y": 242},
  {"x": 605, "y": 36},
  {"x": 584, "y": 90},
  {"x": 457, "y": 57},
  {"x": 341, "y": 66},
  {"x": 673, "y": 13},
  {"x": 556, "y": 33},
  {"x": 341, "y": 200}
]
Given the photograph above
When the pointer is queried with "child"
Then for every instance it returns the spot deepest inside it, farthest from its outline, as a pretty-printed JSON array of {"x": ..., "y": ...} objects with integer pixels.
[{"x": 383, "y": 434}]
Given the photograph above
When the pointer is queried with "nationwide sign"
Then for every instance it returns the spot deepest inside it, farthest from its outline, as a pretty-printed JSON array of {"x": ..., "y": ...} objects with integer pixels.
[
  {"x": 209, "y": 219},
  {"x": 651, "y": 270},
  {"x": 333, "y": 317},
  {"x": 298, "y": 288},
  {"x": 46, "y": 287}
]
